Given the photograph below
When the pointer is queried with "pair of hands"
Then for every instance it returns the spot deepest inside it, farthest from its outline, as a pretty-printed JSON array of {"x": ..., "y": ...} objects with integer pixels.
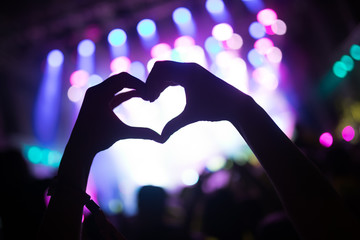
[{"x": 208, "y": 98}]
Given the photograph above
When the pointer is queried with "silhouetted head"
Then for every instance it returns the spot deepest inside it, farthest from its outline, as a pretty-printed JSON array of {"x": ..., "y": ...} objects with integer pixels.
[{"x": 151, "y": 201}]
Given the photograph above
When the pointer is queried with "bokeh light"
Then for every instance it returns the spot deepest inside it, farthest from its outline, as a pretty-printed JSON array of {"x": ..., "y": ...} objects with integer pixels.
[
  {"x": 235, "y": 42},
  {"x": 265, "y": 78},
  {"x": 340, "y": 69},
  {"x": 215, "y": 163},
  {"x": 355, "y": 52},
  {"x": 75, "y": 94},
  {"x": 348, "y": 133},
  {"x": 120, "y": 64},
  {"x": 326, "y": 139},
  {"x": 267, "y": 17},
  {"x": 255, "y": 58},
  {"x": 55, "y": 58},
  {"x": 184, "y": 41},
  {"x": 190, "y": 177},
  {"x": 34, "y": 154},
  {"x": 215, "y": 6},
  {"x": 348, "y": 61},
  {"x": 212, "y": 45},
  {"x": 137, "y": 69},
  {"x": 115, "y": 206},
  {"x": 79, "y": 78},
  {"x": 263, "y": 45},
  {"x": 274, "y": 55},
  {"x": 161, "y": 51},
  {"x": 117, "y": 37},
  {"x": 86, "y": 48},
  {"x": 222, "y": 31},
  {"x": 279, "y": 27},
  {"x": 94, "y": 79},
  {"x": 257, "y": 30},
  {"x": 181, "y": 16},
  {"x": 146, "y": 28}
]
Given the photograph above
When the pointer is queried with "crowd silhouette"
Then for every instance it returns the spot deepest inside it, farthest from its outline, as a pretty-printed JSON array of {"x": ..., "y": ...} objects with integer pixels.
[{"x": 291, "y": 196}]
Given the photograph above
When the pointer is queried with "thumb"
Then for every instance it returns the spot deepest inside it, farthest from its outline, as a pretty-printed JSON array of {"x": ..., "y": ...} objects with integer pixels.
[{"x": 174, "y": 125}]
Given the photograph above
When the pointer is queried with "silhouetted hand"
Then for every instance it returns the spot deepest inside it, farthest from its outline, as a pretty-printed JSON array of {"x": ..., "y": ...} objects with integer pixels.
[
  {"x": 208, "y": 98},
  {"x": 97, "y": 126}
]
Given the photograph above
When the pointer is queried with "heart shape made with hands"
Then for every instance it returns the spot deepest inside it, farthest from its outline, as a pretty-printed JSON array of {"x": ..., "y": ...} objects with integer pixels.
[{"x": 136, "y": 112}]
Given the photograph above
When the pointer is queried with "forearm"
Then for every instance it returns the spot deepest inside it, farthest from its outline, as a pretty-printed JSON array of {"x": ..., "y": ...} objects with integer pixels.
[
  {"x": 310, "y": 201},
  {"x": 63, "y": 216}
]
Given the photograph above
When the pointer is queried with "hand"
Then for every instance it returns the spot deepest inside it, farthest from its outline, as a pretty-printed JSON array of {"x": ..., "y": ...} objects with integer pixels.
[
  {"x": 97, "y": 126},
  {"x": 208, "y": 98}
]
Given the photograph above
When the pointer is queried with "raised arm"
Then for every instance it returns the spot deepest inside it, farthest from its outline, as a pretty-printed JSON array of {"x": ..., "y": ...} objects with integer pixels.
[
  {"x": 315, "y": 209},
  {"x": 96, "y": 129}
]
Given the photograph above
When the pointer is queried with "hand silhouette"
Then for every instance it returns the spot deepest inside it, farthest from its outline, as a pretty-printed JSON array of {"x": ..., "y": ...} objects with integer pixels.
[
  {"x": 208, "y": 98},
  {"x": 98, "y": 125}
]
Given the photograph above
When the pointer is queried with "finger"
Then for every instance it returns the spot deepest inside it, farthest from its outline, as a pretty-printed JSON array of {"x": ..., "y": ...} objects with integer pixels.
[
  {"x": 123, "y": 97},
  {"x": 117, "y": 82},
  {"x": 142, "y": 133},
  {"x": 174, "y": 125},
  {"x": 162, "y": 75}
]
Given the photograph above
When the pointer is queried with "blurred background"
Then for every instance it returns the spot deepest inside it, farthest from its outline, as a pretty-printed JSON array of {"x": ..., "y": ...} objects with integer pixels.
[{"x": 298, "y": 59}]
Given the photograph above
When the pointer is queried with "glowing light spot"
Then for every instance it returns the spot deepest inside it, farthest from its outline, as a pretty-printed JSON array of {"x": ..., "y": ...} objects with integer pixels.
[
  {"x": 75, "y": 94},
  {"x": 255, "y": 58},
  {"x": 222, "y": 31},
  {"x": 348, "y": 133},
  {"x": 79, "y": 78},
  {"x": 146, "y": 28},
  {"x": 355, "y": 52},
  {"x": 35, "y": 155},
  {"x": 274, "y": 55},
  {"x": 215, "y": 6},
  {"x": 120, "y": 64},
  {"x": 224, "y": 58},
  {"x": 137, "y": 69},
  {"x": 279, "y": 27},
  {"x": 86, "y": 48},
  {"x": 94, "y": 79},
  {"x": 235, "y": 42},
  {"x": 326, "y": 139},
  {"x": 348, "y": 61},
  {"x": 215, "y": 163},
  {"x": 263, "y": 45},
  {"x": 115, "y": 206},
  {"x": 162, "y": 51},
  {"x": 54, "y": 158},
  {"x": 265, "y": 78},
  {"x": 117, "y": 37},
  {"x": 340, "y": 69},
  {"x": 257, "y": 30},
  {"x": 190, "y": 177},
  {"x": 184, "y": 41},
  {"x": 55, "y": 58},
  {"x": 181, "y": 16},
  {"x": 266, "y": 16},
  {"x": 212, "y": 45}
]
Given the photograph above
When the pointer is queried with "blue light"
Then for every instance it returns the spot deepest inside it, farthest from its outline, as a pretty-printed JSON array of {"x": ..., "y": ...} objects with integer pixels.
[
  {"x": 257, "y": 30},
  {"x": 181, "y": 16},
  {"x": 55, "y": 58},
  {"x": 255, "y": 58},
  {"x": 47, "y": 103},
  {"x": 137, "y": 69},
  {"x": 117, "y": 37},
  {"x": 86, "y": 48},
  {"x": 212, "y": 45},
  {"x": 215, "y": 6},
  {"x": 146, "y": 28},
  {"x": 253, "y": 5}
]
